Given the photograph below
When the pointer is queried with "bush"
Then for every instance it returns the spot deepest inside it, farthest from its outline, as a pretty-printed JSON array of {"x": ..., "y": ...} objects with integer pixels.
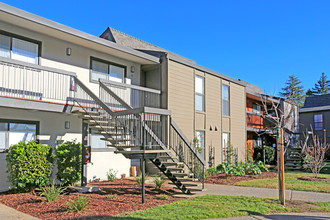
[
  {"x": 68, "y": 156},
  {"x": 139, "y": 179},
  {"x": 241, "y": 169},
  {"x": 159, "y": 182},
  {"x": 162, "y": 197},
  {"x": 29, "y": 165},
  {"x": 52, "y": 193},
  {"x": 211, "y": 172},
  {"x": 269, "y": 154},
  {"x": 79, "y": 204},
  {"x": 111, "y": 175}
]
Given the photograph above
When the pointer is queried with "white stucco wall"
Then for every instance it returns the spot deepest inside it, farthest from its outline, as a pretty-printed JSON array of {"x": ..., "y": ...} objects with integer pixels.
[{"x": 51, "y": 130}]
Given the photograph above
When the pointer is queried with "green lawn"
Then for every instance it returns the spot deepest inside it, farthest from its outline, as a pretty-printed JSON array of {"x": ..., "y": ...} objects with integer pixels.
[
  {"x": 291, "y": 182},
  {"x": 215, "y": 206}
]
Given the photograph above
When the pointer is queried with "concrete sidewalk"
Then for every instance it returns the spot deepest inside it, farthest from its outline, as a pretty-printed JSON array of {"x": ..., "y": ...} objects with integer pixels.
[
  {"x": 228, "y": 190},
  {"x": 10, "y": 214}
]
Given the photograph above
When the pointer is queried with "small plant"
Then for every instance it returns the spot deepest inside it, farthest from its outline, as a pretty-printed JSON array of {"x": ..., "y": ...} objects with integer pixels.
[
  {"x": 162, "y": 197},
  {"x": 211, "y": 172},
  {"x": 139, "y": 179},
  {"x": 133, "y": 203},
  {"x": 111, "y": 175},
  {"x": 52, "y": 193},
  {"x": 159, "y": 181},
  {"x": 111, "y": 196},
  {"x": 79, "y": 204}
]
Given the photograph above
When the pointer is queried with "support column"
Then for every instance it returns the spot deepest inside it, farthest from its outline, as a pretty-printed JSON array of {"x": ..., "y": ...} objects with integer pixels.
[{"x": 84, "y": 144}]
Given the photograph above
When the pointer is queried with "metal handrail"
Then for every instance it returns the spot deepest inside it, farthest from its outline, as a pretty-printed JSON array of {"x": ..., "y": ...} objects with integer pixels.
[
  {"x": 35, "y": 66},
  {"x": 124, "y": 85}
]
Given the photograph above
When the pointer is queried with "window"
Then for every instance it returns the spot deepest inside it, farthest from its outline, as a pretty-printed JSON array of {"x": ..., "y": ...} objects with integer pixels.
[
  {"x": 108, "y": 71},
  {"x": 225, "y": 100},
  {"x": 19, "y": 49},
  {"x": 13, "y": 132},
  {"x": 200, "y": 135},
  {"x": 256, "y": 108},
  {"x": 199, "y": 93},
  {"x": 225, "y": 146},
  {"x": 95, "y": 140},
  {"x": 318, "y": 122}
]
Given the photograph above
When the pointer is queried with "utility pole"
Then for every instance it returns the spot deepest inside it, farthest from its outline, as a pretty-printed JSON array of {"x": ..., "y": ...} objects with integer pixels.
[{"x": 280, "y": 165}]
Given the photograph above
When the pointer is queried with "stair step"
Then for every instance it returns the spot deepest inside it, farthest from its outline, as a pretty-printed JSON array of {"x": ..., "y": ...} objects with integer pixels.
[
  {"x": 164, "y": 157},
  {"x": 117, "y": 139},
  {"x": 90, "y": 116},
  {"x": 185, "y": 184},
  {"x": 179, "y": 174},
  {"x": 84, "y": 112},
  {"x": 186, "y": 179},
  {"x": 175, "y": 169},
  {"x": 122, "y": 145},
  {"x": 172, "y": 163},
  {"x": 91, "y": 122},
  {"x": 191, "y": 189},
  {"x": 111, "y": 133},
  {"x": 142, "y": 151},
  {"x": 106, "y": 127}
]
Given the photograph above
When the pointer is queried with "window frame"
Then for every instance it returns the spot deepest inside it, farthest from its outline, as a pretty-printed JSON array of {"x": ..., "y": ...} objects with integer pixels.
[
  {"x": 318, "y": 122},
  {"x": 109, "y": 64},
  {"x": 12, "y": 35},
  {"x": 200, "y": 94},
  {"x": 198, "y": 137},
  {"x": 223, "y": 100},
  {"x": 255, "y": 110},
  {"x": 36, "y": 123}
]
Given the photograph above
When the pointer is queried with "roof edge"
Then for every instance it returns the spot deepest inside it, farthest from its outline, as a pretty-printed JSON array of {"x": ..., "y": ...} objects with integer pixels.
[{"x": 74, "y": 32}]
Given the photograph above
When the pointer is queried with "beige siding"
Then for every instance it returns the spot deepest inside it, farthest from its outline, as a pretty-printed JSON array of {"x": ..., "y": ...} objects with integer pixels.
[
  {"x": 181, "y": 96},
  {"x": 237, "y": 116},
  {"x": 213, "y": 116}
]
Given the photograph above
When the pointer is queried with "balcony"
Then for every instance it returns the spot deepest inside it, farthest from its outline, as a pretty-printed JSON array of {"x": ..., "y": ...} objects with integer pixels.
[{"x": 54, "y": 90}]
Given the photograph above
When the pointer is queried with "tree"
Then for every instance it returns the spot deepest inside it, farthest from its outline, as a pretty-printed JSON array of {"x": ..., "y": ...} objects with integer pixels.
[
  {"x": 322, "y": 86},
  {"x": 293, "y": 91},
  {"x": 309, "y": 93}
]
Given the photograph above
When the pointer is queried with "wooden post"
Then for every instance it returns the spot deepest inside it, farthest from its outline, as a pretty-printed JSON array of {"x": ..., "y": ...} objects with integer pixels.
[{"x": 280, "y": 165}]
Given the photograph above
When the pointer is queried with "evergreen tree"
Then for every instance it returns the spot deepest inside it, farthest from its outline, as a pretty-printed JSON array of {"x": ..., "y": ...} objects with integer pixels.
[
  {"x": 309, "y": 92},
  {"x": 293, "y": 90},
  {"x": 322, "y": 86}
]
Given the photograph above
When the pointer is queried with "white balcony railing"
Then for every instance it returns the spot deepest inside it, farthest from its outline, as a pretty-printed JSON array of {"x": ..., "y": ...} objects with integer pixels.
[{"x": 33, "y": 82}]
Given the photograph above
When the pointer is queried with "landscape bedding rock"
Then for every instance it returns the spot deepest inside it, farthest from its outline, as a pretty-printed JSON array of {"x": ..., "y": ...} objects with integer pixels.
[{"x": 128, "y": 200}]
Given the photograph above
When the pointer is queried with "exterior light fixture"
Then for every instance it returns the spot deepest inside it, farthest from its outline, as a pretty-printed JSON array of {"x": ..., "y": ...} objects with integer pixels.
[
  {"x": 215, "y": 128},
  {"x": 211, "y": 128},
  {"x": 68, "y": 51},
  {"x": 132, "y": 69},
  {"x": 67, "y": 125}
]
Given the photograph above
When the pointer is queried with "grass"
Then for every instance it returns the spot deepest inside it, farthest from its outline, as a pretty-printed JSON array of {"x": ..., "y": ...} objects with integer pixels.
[
  {"x": 291, "y": 182},
  {"x": 215, "y": 206}
]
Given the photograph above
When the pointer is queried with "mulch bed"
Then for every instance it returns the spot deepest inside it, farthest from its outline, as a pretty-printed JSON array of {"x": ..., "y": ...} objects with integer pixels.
[
  {"x": 317, "y": 179},
  {"x": 231, "y": 179},
  {"x": 128, "y": 199}
]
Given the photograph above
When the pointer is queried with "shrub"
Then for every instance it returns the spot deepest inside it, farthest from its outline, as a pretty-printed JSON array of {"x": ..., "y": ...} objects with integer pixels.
[
  {"x": 162, "y": 197},
  {"x": 159, "y": 182},
  {"x": 79, "y": 204},
  {"x": 111, "y": 175},
  {"x": 139, "y": 179},
  {"x": 68, "y": 156},
  {"x": 52, "y": 193},
  {"x": 111, "y": 196},
  {"x": 211, "y": 172},
  {"x": 241, "y": 169},
  {"x": 269, "y": 154},
  {"x": 29, "y": 165}
]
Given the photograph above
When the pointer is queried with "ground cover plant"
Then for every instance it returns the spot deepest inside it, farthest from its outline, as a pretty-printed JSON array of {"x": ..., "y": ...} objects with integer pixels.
[
  {"x": 119, "y": 197},
  {"x": 214, "y": 206},
  {"x": 52, "y": 192},
  {"x": 238, "y": 169},
  {"x": 29, "y": 165},
  {"x": 293, "y": 181}
]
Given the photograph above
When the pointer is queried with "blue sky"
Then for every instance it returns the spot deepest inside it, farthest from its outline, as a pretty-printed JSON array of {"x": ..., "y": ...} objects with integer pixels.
[{"x": 262, "y": 42}]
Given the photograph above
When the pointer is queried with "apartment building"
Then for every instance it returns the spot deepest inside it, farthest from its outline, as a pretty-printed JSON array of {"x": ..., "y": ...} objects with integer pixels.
[{"x": 58, "y": 83}]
